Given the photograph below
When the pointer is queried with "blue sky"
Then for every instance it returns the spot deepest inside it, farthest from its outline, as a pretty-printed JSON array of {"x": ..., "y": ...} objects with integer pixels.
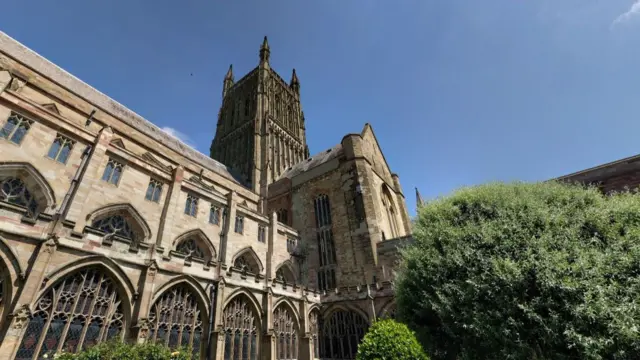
[{"x": 459, "y": 92}]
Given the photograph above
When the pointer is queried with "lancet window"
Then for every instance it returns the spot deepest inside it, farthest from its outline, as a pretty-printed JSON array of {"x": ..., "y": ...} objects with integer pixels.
[
  {"x": 82, "y": 309},
  {"x": 341, "y": 333},
  {"x": 286, "y": 331},
  {"x": 326, "y": 250},
  {"x": 177, "y": 320},
  {"x": 241, "y": 331}
]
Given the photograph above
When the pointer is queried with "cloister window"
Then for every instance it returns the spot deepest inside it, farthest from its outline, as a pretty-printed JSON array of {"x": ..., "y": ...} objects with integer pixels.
[
  {"x": 262, "y": 231},
  {"x": 241, "y": 331},
  {"x": 154, "y": 190},
  {"x": 81, "y": 310},
  {"x": 191, "y": 206},
  {"x": 214, "y": 215},
  {"x": 286, "y": 331},
  {"x": 113, "y": 172},
  {"x": 177, "y": 320},
  {"x": 16, "y": 128},
  {"x": 239, "y": 227},
  {"x": 340, "y": 335},
  {"x": 191, "y": 247},
  {"x": 114, "y": 225},
  {"x": 14, "y": 191},
  {"x": 61, "y": 149},
  {"x": 326, "y": 273}
]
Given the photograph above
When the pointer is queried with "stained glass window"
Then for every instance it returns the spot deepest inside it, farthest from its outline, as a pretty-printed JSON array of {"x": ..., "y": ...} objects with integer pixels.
[
  {"x": 340, "y": 335},
  {"x": 61, "y": 149},
  {"x": 241, "y": 331},
  {"x": 80, "y": 310},
  {"x": 177, "y": 320},
  {"x": 192, "y": 247},
  {"x": 14, "y": 191},
  {"x": 286, "y": 331},
  {"x": 16, "y": 128},
  {"x": 112, "y": 172},
  {"x": 114, "y": 225}
]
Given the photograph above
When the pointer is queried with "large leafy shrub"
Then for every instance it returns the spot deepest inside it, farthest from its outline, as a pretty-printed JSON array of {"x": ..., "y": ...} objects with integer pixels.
[
  {"x": 117, "y": 350},
  {"x": 389, "y": 340},
  {"x": 525, "y": 271}
]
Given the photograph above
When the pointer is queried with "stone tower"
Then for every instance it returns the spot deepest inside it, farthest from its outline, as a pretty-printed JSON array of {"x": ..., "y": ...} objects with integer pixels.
[{"x": 261, "y": 127}]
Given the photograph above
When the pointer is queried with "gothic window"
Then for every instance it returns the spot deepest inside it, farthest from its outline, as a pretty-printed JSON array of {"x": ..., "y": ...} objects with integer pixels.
[
  {"x": 214, "y": 215},
  {"x": 177, "y": 320},
  {"x": 114, "y": 225},
  {"x": 286, "y": 331},
  {"x": 112, "y": 172},
  {"x": 246, "y": 262},
  {"x": 285, "y": 274},
  {"x": 387, "y": 202},
  {"x": 81, "y": 310},
  {"x": 60, "y": 149},
  {"x": 241, "y": 331},
  {"x": 283, "y": 217},
  {"x": 239, "y": 227},
  {"x": 278, "y": 112},
  {"x": 192, "y": 247},
  {"x": 262, "y": 234},
  {"x": 16, "y": 128},
  {"x": 154, "y": 190},
  {"x": 359, "y": 203},
  {"x": 326, "y": 274},
  {"x": 14, "y": 191},
  {"x": 291, "y": 245},
  {"x": 191, "y": 206},
  {"x": 340, "y": 335},
  {"x": 314, "y": 330}
]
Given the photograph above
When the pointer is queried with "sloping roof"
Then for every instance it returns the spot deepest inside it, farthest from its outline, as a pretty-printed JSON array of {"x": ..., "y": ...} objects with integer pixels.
[
  {"x": 602, "y": 170},
  {"x": 312, "y": 162},
  {"x": 39, "y": 64}
]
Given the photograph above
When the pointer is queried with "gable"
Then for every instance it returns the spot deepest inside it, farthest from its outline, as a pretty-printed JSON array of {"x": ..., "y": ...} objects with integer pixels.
[
  {"x": 51, "y": 107},
  {"x": 152, "y": 159},
  {"x": 118, "y": 142},
  {"x": 373, "y": 152}
]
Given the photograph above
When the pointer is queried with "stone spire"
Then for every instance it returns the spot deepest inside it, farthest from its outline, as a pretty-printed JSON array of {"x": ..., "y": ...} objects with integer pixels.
[
  {"x": 419, "y": 201},
  {"x": 228, "y": 81},
  {"x": 295, "y": 83},
  {"x": 264, "y": 51}
]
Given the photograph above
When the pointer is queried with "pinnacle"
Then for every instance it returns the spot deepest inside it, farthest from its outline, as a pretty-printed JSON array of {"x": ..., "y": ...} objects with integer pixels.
[
  {"x": 265, "y": 43},
  {"x": 294, "y": 77},
  {"x": 229, "y": 73}
]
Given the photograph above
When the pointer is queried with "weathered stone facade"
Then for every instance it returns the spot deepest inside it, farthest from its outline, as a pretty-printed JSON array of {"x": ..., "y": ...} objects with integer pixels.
[{"x": 109, "y": 227}]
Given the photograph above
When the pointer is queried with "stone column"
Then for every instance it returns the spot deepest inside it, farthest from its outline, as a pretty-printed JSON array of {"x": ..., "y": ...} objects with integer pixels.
[
  {"x": 269, "y": 338},
  {"x": 19, "y": 319},
  {"x": 305, "y": 348},
  {"x": 141, "y": 328},
  {"x": 217, "y": 337}
]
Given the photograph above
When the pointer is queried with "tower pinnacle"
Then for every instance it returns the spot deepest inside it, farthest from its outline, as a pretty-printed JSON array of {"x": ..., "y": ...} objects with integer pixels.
[
  {"x": 228, "y": 81},
  {"x": 419, "y": 201},
  {"x": 264, "y": 51},
  {"x": 295, "y": 83}
]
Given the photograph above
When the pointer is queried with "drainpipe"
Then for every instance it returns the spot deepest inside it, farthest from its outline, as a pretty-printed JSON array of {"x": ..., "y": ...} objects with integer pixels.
[{"x": 213, "y": 292}]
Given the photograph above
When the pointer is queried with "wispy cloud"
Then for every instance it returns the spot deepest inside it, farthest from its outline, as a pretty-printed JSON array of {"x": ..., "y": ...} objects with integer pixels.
[
  {"x": 631, "y": 13},
  {"x": 178, "y": 135}
]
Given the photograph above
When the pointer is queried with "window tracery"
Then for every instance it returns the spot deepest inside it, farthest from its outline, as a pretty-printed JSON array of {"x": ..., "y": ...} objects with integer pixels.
[
  {"x": 81, "y": 310},
  {"x": 16, "y": 128},
  {"x": 115, "y": 225},
  {"x": 14, "y": 191},
  {"x": 314, "y": 329},
  {"x": 286, "y": 331},
  {"x": 177, "y": 320},
  {"x": 192, "y": 247},
  {"x": 341, "y": 333},
  {"x": 241, "y": 331},
  {"x": 246, "y": 262}
]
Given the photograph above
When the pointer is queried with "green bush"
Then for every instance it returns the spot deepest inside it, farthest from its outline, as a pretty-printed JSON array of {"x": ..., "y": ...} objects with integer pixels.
[
  {"x": 525, "y": 271},
  {"x": 389, "y": 340},
  {"x": 117, "y": 350}
]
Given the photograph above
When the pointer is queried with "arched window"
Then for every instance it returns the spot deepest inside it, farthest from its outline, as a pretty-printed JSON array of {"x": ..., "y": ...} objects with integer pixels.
[
  {"x": 286, "y": 331},
  {"x": 114, "y": 225},
  {"x": 247, "y": 261},
  {"x": 285, "y": 274},
  {"x": 283, "y": 216},
  {"x": 177, "y": 319},
  {"x": 314, "y": 330},
  {"x": 81, "y": 310},
  {"x": 14, "y": 191},
  {"x": 387, "y": 202},
  {"x": 326, "y": 250},
  {"x": 192, "y": 247},
  {"x": 341, "y": 333},
  {"x": 241, "y": 330}
]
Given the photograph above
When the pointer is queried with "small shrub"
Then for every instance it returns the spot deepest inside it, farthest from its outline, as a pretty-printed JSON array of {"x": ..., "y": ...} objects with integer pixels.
[
  {"x": 390, "y": 340},
  {"x": 118, "y": 350}
]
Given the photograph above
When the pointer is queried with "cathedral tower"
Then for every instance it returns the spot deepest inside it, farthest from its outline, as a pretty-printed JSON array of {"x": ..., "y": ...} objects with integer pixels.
[{"x": 261, "y": 128}]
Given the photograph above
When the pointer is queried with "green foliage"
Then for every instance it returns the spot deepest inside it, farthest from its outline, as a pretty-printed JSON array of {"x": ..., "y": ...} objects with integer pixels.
[
  {"x": 389, "y": 340},
  {"x": 117, "y": 350},
  {"x": 525, "y": 271}
]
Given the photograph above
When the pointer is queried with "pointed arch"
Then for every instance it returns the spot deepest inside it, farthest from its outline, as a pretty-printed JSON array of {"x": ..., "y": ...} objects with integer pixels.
[
  {"x": 286, "y": 302},
  {"x": 341, "y": 330},
  {"x": 315, "y": 320},
  {"x": 121, "y": 219},
  {"x": 391, "y": 211},
  {"x": 178, "y": 315},
  {"x": 388, "y": 310},
  {"x": 10, "y": 259},
  {"x": 285, "y": 272},
  {"x": 195, "y": 243},
  {"x": 241, "y": 324},
  {"x": 104, "y": 262},
  {"x": 286, "y": 328},
  {"x": 247, "y": 259},
  {"x": 84, "y": 306},
  {"x": 39, "y": 196}
]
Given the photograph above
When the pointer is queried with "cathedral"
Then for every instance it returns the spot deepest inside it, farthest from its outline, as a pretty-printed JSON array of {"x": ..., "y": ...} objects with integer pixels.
[{"x": 111, "y": 228}]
